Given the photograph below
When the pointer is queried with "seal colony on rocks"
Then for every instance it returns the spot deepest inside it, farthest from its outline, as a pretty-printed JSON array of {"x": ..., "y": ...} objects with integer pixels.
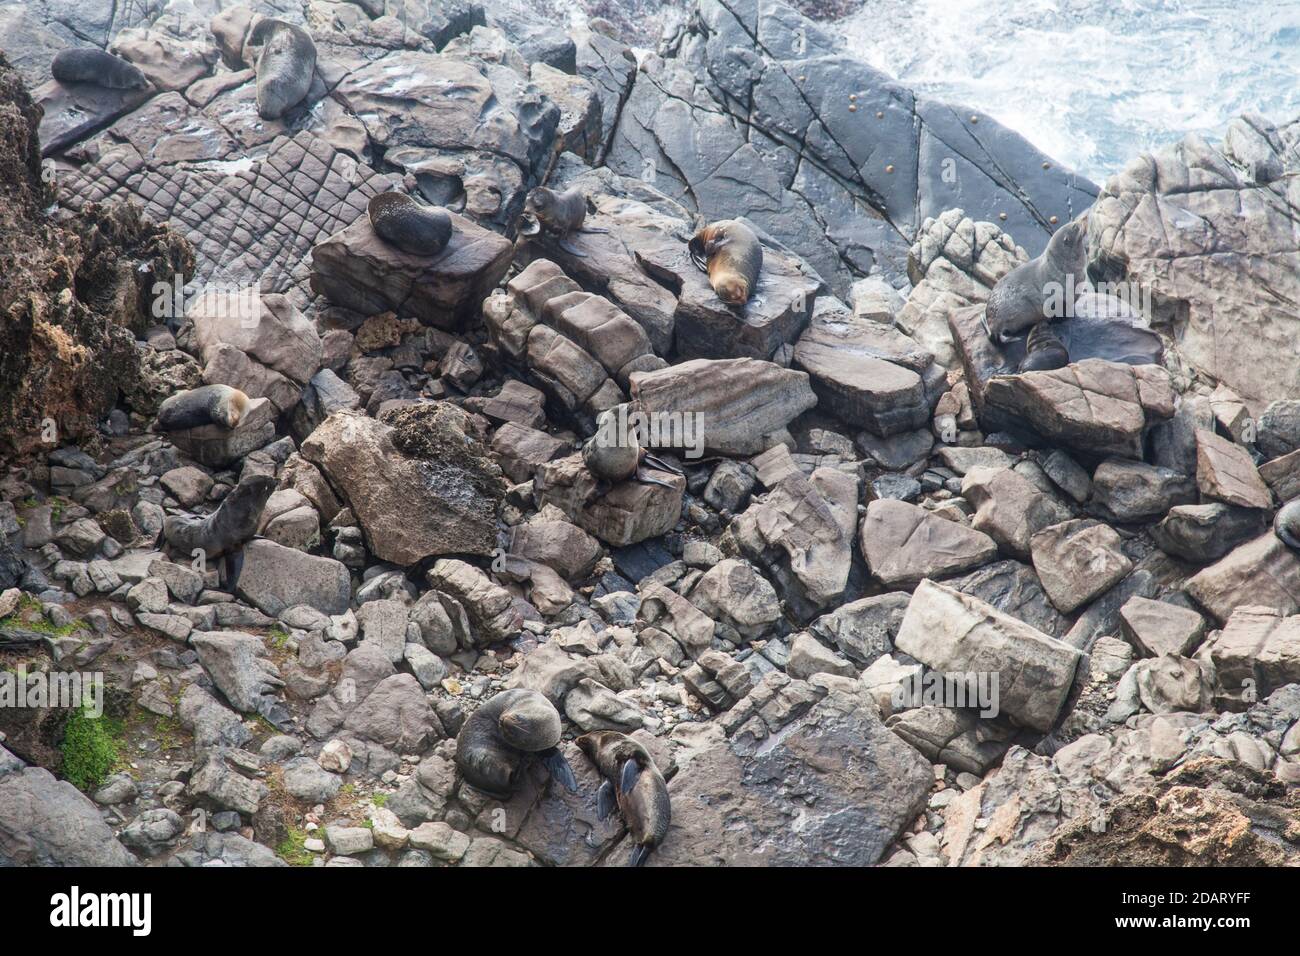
[
  {"x": 401, "y": 221},
  {"x": 559, "y": 214},
  {"x": 225, "y": 529},
  {"x": 632, "y": 783},
  {"x": 285, "y": 66},
  {"x": 732, "y": 256},
  {"x": 1017, "y": 301},
  {"x": 95, "y": 66},
  {"x": 494, "y": 745},
  {"x": 207, "y": 405}
]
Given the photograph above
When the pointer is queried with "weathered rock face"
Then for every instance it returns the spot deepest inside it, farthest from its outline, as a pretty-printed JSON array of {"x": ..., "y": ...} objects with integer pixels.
[
  {"x": 904, "y": 544},
  {"x": 48, "y": 822},
  {"x": 66, "y": 357},
  {"x": 1262, "y": 572},
  {"x": 826, "y": 736},
  {"x": 955, "y": 633},
  {"x": 1257, "y": 652},
  {"x": 274, "y": 578},
  {"x": 435, "y": 495},
  {"x": 628, "y": 512},
  {"x": 1229, "y": 277},
  {"x": 742, "y": 404}
]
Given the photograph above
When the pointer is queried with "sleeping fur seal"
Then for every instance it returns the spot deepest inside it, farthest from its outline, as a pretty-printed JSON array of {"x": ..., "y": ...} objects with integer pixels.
[
  {"x": 92, "y": 65},
  {"x": 496, "y": 741},
  {"x": 400, "y": 220},
  {"x": 228, "y": 527},
  {"x": 732, "y": 256},
  {"x": 1018, "y": 299},
  {"x": 634, "y": 784},
  {"x": 558, "y": 213},
  {"x": 206, "y": 405},
  {"x": 1286, "y": 524},
  {"x": 285, "y": 66}
]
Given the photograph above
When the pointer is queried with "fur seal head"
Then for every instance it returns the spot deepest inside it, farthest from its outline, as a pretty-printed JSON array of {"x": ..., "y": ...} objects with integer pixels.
[
  {"x": 206, "y": 405},
  {"x": 92, "y": 65},
  {"x": 530, "y": 723},
  {"x": 401, "y": 221},
  {"x": 285, "y": 66},
  {"x": 731, "y": 254}
]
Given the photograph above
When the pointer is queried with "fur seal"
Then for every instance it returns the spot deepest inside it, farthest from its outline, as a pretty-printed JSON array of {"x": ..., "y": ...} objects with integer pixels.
[
  {"x": 559, "y": 213},
  {"x": 285, "y": 66},
  {"x": 1043, "y": 350},
  {"x": 401, "y": 221},
  {"x": 226, "y": 528},
  {"x": 496, "y": 741},
  {"x": 1018, "y": 299},
  {"x": 92, "y": 65},
  {"x": 634, "y": 784},
  {"x": 1286, "y": 524},
  {"x": 612, "y": 457},
  {"x": 732, "y": 256},
  {"x": 206, "y": 405}
]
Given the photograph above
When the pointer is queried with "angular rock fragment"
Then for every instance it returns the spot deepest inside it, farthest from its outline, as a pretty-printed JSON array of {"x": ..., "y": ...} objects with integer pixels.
[{"x": 904, "y": 544}]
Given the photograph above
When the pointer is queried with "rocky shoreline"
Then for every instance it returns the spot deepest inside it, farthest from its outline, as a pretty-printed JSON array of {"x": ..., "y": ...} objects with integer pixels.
[{"x": 857, "y": 506}]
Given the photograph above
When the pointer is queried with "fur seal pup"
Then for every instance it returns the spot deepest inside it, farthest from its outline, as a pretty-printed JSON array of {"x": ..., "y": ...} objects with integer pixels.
[
  {"x": 401, "y": 221},
  {"x": 559, "y": 213},
  {"x": 206, "y": 405},
  {"x": 634, "y": 784},
  {"x": 92, "y": 65},
  {"x": 226, "y": 528},
  {"x": 1286, "y": 524},
  {"x": 1018, "y": 299},
  {"x": 285, "y": 66},
  {"x": 1043, "y": 350},
  {"x": 612, "y": 457},
  {"x": 496, "y": 741},
  {"x": 732, "y": 256}
]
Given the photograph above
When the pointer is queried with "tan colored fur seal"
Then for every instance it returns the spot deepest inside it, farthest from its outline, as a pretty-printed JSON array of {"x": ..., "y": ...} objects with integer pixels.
[
  {"x": 634, "y": 784},
  {"x": 732, "y": 256}
]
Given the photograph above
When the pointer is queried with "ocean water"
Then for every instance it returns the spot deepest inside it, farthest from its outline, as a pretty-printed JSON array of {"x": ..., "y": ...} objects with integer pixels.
[{"x": 1092, "y": 82}]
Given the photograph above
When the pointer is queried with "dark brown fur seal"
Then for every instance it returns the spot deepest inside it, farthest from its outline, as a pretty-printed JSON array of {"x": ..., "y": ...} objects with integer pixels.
[
  {"x": 92, "y": 65},
  {"x": 1286, "y": 524},
  {"x": 497, "y": 740},
  {"x": 1018, "y": 300},
  {"x": 400, "y": 220},
  {"x": 732, "y": 256},
  {"x": 1043, "y": 350},
  {"x": 612, "y": 457},
  {"x": 228, "y": 527},
  {"x": 634, "y": 784},
  {"x": 285, "y": 66},
  {"x": 560, "y": 214},
  {"x": 207, "y": 405}
]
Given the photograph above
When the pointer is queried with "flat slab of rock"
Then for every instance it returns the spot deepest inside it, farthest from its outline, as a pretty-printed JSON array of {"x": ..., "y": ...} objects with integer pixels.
[
  {"x": 1262, "y": 572},
  {"x": 1258, "y": 650},
  {"x": 274, "y": 578},
  {"x": 742, "y": 403},
  {"x": 1078, "y": 560},
  {"x": 48, "y": 822},
  {"x": 1093, "y": 405},
  {"x": 1157, "y": 628},
  {"x": 904, "y": 544},
  {"x": 1201, "y": 533},
  {"x": 411, "y": 508},
  {"x": 1226, "y": 472},
  {"x": 77, "y": 109},
  {"x": 954, "y": 633},
  {"x": 356, "y": 269}
]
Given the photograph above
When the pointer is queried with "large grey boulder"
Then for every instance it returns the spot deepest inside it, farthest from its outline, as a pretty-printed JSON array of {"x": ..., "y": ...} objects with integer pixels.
[
  {"x": 239, "y": 666},
  {"x": 274, "y": 578},
  {"x": 48, "y": 822}
]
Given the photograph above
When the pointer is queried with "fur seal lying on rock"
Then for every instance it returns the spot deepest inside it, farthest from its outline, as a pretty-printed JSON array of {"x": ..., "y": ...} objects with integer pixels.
[
  {"x": 206, "y": 405},
  {"x": 1286, "y": 524},
  {"x": 285, "y": 66},
  {"x": 1018, "y": 299},
  {"x": 613, "y": 457},
  {"x": 732, "y": 256},
  {"x": 634, "y": 784},
  {"x": 1043, "y": 350},
  {"x": 496, "y": 741},
  {"x": 92, "y": 65},
  {"x": 559, "y": 213},
  {"x": 401, "y": 221},
  {"x": 228, "y": 527}
]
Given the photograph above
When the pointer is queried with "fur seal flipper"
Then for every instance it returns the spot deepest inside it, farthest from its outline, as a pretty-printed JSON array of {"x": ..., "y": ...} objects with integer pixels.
[
  {"x": 1018, "y": 300},
  {"x": 206, "y": 405},
  {"x": 400, "y": 220},
  {"x": 640, "y": 792},
  {"x": 92, "y": 65},
  {"x": 1043, "y": 350},
  {"x": 496, "y": 741},
  {"x": 732, "y": 256},
  {"x": 285, "y": 66},
  {"x": 227, "y": 528},
  {"x": 559, "y": 769}
]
